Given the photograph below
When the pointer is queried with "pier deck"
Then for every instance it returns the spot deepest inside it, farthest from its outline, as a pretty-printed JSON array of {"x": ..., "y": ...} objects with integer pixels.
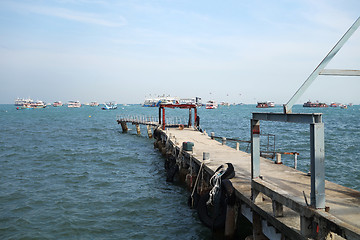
[{"x": 279, "y": 183}]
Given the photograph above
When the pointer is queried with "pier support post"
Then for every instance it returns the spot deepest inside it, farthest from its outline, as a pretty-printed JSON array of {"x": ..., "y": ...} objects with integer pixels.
[
  {"x": 257, "y": 227},
  {"x": 317, "y": 158},
  {"x": 138, "y": 129},
  {"x": 306, "y": 227},
  {"x": 149, "y": 131},
  {"x": 237, "y": 146},
  {"x": 277, "y": 209},
  {"x": 124, "y": 127},
  {"x": 278, "y": 158}
]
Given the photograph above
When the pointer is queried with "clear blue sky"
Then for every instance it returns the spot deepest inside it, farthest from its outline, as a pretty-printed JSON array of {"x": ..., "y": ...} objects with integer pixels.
[{"x": 235, "y": 51}]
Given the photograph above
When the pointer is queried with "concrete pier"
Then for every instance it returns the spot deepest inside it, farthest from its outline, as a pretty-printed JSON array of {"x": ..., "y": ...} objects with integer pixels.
[{"x": 274, "y": 202}]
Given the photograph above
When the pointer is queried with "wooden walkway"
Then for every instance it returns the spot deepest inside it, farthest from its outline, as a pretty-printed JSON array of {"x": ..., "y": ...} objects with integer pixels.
[{"x": 282, "y": 205}]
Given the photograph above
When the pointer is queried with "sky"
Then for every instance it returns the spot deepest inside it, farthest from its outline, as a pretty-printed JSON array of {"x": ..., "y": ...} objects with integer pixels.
[{"x": 128, "y": 50}]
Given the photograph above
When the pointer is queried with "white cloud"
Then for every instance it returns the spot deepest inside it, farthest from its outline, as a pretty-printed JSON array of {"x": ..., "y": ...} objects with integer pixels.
[{"x": 64, "y": 13}]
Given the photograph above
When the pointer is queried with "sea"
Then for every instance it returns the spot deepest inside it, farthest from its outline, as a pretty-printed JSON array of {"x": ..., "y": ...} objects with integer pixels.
[{"x": 70, "y": 173}]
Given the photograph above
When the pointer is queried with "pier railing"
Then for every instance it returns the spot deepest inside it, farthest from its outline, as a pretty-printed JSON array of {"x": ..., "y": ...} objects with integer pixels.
[
  {"x": 151, "y": 120},
  {"x": 138, "y": 119}
]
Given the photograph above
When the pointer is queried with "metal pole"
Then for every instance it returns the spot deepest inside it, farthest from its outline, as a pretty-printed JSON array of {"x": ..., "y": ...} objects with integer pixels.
[
  {"x": 255, "y": 148},
  {"x": 317, "y": 157},
  {"x": 163, "y": 121}
]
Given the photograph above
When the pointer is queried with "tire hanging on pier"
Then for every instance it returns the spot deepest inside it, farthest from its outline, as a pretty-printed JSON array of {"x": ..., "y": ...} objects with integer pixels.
[
  {"x": 212, "y": 216},
  {"x": 212, "y": 206}
]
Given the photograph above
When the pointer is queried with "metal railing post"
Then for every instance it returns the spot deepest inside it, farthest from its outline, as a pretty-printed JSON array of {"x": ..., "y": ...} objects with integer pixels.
[{"x": 255, "y": 148}]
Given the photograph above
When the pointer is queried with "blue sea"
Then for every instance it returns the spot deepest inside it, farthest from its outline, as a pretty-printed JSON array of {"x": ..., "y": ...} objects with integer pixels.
[{"x": 68, "y": 173}]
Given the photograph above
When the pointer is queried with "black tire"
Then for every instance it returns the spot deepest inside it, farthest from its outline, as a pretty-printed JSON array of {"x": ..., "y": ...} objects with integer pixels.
[
  {"x": 229, "y": 172},
  {"x": 171, "y": 173},
  {"x": 205, "y": 212}
]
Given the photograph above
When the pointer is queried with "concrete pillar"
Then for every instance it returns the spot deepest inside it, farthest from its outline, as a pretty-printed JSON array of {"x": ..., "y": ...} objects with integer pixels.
[
  {"x": 278, "y": 158},
  {"x": 138, "y": 129},
  {"x": 256, "y": 195},
  {"x": 230, "y": 223},
  {"x": 149, "y": 131},
  {"x": 237, "y": 146},
  {"x": 257, "y": 227},
  {"x": 306, "y": 227},
  {"x": 277, "y": 209},
  {"x": 124, "y": 127}
]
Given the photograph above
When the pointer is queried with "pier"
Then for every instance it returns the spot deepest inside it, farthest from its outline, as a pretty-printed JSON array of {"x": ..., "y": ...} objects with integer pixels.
[{"x": 277, "y": 202}]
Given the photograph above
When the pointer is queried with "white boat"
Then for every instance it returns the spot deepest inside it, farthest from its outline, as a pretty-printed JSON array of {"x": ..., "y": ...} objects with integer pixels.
[
  {"x": 211, "y": 104},
  {"x": 23, "y": 101},
  {"x": 151, "y": 102},
  {"x": 109, "y": 106},
  {"x": 74, "y": 104},
  {"x": 94, "y": 104},
  {"x": 57, "y": 104},
  {"x": 38, "y": 104},
  {"x": 191, "y": 101}
]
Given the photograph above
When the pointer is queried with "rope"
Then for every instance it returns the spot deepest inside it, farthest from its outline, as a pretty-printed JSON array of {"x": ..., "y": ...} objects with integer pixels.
[
  {"x": 215, "y": 181},
  {"x": 216, "y": 187},
  {"x": 196, "y": 181}
]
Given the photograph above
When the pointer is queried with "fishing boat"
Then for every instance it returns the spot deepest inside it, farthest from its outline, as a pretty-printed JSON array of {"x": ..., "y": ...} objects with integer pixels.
[
  {"x": 316, "y": 104},
  {"x": 38, "y": 104},
  {"x": 74, "y": 104},
  {"x": 57, "y": 104},
  {"x": 211, "y": 104},
  {"x": 109, "y": 106},
  {"x": 265, "y": 104}
]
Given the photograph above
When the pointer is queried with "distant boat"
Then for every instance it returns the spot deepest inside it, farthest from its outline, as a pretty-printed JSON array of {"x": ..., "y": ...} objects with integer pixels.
[
  {"x": 32, "y": 105},
  {"x": 155, "y": 102},
  {"x": 94, "y": 104},
  {"x": 22, "y": 101},
  {"x": 265, "y": 104},
  {"x": 271, "y": 104},
  {"x": 316, "y": 104},
  {"x": 74, "y": 104},
  {"x": 343, "y": 106},
  {"x": 211, "y": 104},
  {"x": 57, "y": 104},
  {"x": 109, "y": 106},
  {"x": 224, "y": 104},
  {"x": 38, "y": 104}
]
